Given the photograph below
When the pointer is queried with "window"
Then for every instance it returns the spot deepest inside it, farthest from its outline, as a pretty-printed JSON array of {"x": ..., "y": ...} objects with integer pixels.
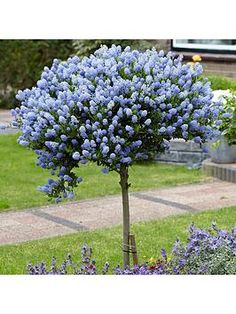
[{"x": 210, "y": 45}]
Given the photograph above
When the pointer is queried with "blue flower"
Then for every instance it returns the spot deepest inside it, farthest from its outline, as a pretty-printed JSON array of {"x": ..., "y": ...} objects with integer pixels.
[
  {"x": 134, "y": 119},
  {"x": 85, "y": 153},
  {"x": 63, "y": 138},
  {"x": 184, "y": 127},
  {"x": 218, "y": 122},
  {"x": 148, "y": 122},
  {"x": 76, "y": 156},
  {"x": 197, "y": 139},
  {"x": 162, "y": 129},
  {"x": 128, "y": 112},
  {"x": 105, "y": 150},
  {"x": 67, "y": 178},
  {"x": 105, "y": 170},
  {"x": 62, "y": 120},
  {"x": 79, "y": 179},
  {"x": 113, "y": 107},
  {"x": 226, "y": 115},
  {"x": 143, "y": 113}
]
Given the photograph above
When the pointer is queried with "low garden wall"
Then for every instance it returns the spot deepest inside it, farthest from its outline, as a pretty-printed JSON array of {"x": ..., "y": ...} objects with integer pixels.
[{"x": 182, "y": 152}]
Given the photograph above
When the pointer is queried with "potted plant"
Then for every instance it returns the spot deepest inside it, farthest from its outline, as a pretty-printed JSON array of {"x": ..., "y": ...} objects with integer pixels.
[{"x": 223, "y": 150}]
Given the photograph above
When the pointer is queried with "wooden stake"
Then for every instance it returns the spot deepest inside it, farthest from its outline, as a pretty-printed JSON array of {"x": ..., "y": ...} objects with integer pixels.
[
  {"x": 133, "y": 249},
  {"x": 126, "y": 215}
]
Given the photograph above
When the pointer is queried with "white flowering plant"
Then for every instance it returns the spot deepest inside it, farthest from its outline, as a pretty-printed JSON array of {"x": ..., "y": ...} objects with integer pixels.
[{"x": 227, "y": 118}]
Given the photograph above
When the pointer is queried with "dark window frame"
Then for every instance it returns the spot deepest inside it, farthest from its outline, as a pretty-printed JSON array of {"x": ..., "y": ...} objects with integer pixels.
[{"x": 213, "y": 51}]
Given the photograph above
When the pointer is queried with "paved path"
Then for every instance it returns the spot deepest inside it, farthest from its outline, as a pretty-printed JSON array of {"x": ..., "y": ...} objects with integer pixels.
[
  {"x": 5, "y": 121},
  {"x": 5, "y": 116},
  {"x": 102, "y": 212}
]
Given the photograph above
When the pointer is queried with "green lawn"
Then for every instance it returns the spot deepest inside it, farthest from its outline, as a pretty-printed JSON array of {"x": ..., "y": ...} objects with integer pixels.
[
  {"x": 150, "y": 238},
  {"x": 20, "y": 177},
  {"x": 221, "y": 82}
]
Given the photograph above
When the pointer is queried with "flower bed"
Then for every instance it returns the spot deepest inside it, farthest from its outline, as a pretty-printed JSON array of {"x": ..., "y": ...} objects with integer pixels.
[{"x": 208, "y": 252}]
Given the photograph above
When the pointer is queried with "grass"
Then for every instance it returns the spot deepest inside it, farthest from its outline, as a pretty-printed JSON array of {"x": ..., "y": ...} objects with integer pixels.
[
  {"x": 150, "y": 237},
  {"x": 20, "y": 177},
  {"x": 221, "y": 82}
]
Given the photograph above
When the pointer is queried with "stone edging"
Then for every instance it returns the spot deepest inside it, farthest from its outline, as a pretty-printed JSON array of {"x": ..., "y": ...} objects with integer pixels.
[{"x": 225, "y": 172}]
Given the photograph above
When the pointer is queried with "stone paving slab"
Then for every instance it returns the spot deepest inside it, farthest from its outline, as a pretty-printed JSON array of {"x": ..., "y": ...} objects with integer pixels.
[
  {"x": 102, "y": 212},
  {"x": 5, "y": 120},
  {"x": 5, "y": 116}
]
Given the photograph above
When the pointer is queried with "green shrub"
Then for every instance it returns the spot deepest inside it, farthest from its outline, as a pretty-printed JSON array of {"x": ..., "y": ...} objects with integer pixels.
[
  {"x": 85, "y": 47},
  {"x": 22, "y": 62}
]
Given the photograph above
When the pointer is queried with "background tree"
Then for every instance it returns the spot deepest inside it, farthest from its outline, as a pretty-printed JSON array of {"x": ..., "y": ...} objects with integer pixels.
[
  {"x": 113, "y": 108},
  {"x": 85, "y": 47},
  {"x": 22, "y": 62}
]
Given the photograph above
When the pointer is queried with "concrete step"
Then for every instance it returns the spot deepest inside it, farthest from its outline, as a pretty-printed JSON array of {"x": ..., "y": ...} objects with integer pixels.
[{"x": 225, "y": 172}]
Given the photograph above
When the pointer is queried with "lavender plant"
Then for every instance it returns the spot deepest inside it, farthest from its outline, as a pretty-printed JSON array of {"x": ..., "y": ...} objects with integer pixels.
[
  {"x": 207, "y": 252},
  {"x": 87, "y": 266},
  {"x": 211, "y": 252},
  {"x": 113, "y": 108}
]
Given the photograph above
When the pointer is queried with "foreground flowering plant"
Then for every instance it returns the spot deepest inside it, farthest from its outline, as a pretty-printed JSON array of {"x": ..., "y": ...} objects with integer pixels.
[
  {"x": 87, "y": 267},
  {"x": 209, "y": 252},
  {"x": 113, "y": 108}
]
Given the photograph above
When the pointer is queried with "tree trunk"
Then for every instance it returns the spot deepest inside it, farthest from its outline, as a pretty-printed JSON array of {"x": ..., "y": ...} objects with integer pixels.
[{"x": 126, "y": 217}]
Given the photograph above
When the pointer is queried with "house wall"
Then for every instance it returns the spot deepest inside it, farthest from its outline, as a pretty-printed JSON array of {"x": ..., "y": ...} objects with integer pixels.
[
  {"x": 213, "y": 63},
  {"x": 227, "y": 69},
  {"x": 216, "y": 64}
]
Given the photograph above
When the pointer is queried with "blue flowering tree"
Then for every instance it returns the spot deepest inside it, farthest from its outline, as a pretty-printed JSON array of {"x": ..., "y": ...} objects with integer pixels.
[{"x": 112, "y": 108}]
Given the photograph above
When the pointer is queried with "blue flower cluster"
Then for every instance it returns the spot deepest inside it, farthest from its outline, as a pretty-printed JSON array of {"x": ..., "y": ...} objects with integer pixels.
[{"x": 113, "y": 108}]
